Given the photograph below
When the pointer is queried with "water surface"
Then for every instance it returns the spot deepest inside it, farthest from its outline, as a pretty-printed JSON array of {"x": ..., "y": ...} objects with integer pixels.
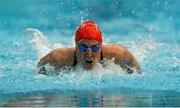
[{"x": 150, "y": 30}]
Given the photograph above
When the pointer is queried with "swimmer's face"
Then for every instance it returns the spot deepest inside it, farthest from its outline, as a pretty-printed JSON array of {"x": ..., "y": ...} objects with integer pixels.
[{"x": 88, "y": 53}]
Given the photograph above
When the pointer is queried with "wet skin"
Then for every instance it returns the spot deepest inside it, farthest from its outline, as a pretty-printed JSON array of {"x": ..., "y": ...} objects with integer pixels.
[{"x": 65, "y": 57}]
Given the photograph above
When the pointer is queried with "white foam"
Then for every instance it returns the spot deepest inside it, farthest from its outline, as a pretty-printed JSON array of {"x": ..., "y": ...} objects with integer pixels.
[
  {"x": 40, "y": 42},
  {"x": 43, "y": 46},
  {"x": 141, "y": 48}
]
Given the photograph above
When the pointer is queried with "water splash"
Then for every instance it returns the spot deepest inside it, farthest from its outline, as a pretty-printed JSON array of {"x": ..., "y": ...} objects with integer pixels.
[
  {"x": 141, "y": 48},
  {"x": 40, "y": 42},
  {"x": 100, "y": 77}
]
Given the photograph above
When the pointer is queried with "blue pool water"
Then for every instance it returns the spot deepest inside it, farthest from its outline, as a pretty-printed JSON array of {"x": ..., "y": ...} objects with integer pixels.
[{"x": 149, "y": 29}]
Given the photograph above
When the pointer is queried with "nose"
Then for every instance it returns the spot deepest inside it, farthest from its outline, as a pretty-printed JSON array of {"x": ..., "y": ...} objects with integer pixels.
[{"x": 89, "y": 53}]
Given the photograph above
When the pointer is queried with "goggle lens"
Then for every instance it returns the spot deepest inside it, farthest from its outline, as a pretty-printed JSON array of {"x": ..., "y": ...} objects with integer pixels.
[{"x": 84, "y": 48}]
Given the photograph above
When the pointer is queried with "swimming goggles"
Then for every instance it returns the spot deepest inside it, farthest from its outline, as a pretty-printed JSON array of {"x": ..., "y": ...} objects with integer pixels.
[{"x": 83, "y": 48}]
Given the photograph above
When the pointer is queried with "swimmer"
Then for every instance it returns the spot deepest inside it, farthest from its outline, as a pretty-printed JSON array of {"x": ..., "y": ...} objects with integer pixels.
[{"x": 88, "y": 51}]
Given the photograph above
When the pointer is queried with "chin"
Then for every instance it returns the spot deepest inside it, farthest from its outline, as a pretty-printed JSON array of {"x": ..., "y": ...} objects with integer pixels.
[{"x": 88, "y": 66}]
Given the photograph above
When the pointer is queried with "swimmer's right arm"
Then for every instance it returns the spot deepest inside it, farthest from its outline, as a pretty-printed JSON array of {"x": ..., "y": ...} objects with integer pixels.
[
  {"x": 44, "y": 61},
  {"x": 57, "y": 58}
]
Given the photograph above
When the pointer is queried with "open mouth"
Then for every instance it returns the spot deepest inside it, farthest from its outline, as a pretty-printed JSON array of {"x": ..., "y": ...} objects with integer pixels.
[{"x": 89, "y": 61}]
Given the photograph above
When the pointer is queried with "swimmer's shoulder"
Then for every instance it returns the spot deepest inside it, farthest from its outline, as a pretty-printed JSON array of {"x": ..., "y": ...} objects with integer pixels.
[
  {"x": 59, "y": 57},
  {"x": 114, "y": 50},
  {"x": 62, "y": 53}
]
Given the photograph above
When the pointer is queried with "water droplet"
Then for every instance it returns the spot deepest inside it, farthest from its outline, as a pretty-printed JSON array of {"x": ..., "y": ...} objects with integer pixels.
[
  {"x": 133, "y": 12},
  {"x": 170, "y": 18}
]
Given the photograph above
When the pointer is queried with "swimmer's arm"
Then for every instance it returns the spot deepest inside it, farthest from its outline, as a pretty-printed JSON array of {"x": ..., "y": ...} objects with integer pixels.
[
  {"x": 57, "y": 58},
  {"x": 44, "y": 61},
  {"x": 128, "y": 62}
]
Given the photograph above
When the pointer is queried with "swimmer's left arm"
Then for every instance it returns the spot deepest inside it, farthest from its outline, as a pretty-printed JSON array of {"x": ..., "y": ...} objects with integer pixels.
[
  {"x": 122, "y": 57},
  {"x": 128, "y": 62}
]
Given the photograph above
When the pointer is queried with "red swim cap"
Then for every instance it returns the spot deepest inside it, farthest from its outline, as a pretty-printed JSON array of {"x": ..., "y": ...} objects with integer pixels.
[{"x": 88, "y": 30}]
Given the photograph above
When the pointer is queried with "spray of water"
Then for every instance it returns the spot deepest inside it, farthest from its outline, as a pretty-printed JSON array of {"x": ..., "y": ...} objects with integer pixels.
[
  {"x": 40, "y": 42},
  {"x": 140, "y": 48},
  {"x": 99, "y": 77}
]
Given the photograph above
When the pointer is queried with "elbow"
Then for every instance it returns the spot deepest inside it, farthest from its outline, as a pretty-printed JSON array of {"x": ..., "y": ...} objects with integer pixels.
[{"x": 41, "y": 68}]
